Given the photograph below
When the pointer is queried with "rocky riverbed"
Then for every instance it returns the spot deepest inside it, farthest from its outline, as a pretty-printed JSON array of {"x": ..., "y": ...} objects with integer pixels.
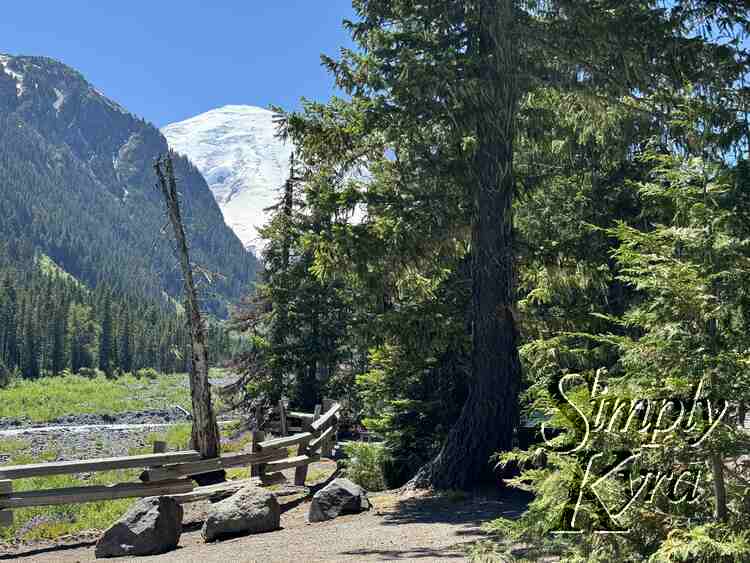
[
  {"x": 84, "y": 436},
  {"x": 10, "y": 426}
]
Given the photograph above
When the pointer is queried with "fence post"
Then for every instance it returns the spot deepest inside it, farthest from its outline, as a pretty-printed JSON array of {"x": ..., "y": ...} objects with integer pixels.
[
  {"x": 326, "y": 448},
  {"x": 282, "y": 418},
  {"x": 160, "y": 447},
  {"x": 6, "y": 516},
  {"x": 300, "y": 473},
  {"x": 257, "y": 470}
]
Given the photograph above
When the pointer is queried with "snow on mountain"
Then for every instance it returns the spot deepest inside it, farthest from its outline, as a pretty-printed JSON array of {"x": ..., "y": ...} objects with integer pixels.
[
  {"x": 18, "y": 77},
  {"x": 245, "y": 165}
]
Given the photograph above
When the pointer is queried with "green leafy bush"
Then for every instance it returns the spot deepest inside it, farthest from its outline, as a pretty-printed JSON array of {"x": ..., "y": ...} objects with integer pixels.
[
  {"x": 6, "y": 375},
  {"x": 91, "y": 373},
  {"x": 365, "y": 464},
  {"x": 147, "y": 373}
]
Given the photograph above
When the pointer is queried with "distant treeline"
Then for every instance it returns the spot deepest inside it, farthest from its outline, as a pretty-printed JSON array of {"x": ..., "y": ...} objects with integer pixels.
[{"x": 50, "y": 322}]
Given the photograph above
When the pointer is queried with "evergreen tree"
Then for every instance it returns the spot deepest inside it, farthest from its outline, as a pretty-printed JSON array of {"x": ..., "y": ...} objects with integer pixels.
[
  {"x": 446, "y": 97},
  {"x": 30, "y": 360},
  {"x": 59, "y": 360},
  {"x": 8, "y": 323},
  {"x": 105, "y": 337},
  {"x": 299, "y": 320},
  {"x": 125, "y": 356}
]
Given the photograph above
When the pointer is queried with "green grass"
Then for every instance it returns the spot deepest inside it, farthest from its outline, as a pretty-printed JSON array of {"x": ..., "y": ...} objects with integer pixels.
[
  {"x": 49, "y": 398},
  {"x": 314, "y": 475},
  {"x": 12, "y": 446},
  {"x": 176, "y": 437},
  {"x": 54, "y": 521}
]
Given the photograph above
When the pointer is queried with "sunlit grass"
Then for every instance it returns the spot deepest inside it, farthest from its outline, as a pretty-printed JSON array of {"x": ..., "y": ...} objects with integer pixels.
[
  {"x": 54, "y": 521},
  {"x": 48, "y": 398},
  {"x": 12, "y": 446},
  {"x": 176, "y": 436},
  {"x": 314, "y": 475}
]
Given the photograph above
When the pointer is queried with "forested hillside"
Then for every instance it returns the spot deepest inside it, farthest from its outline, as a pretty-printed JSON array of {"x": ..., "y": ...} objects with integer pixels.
[
  {"x": 77, "y": 184},
  {"x": 51, "y": 323}
]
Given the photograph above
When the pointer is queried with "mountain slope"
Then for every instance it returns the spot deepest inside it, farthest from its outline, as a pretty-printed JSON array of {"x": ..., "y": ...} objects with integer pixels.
[
  {"x": 76, "y": 183},
  {"x": 243, "y": 162}
]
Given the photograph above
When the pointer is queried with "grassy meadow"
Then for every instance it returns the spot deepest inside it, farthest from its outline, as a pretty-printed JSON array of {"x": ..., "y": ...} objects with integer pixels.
[
  {"x": 48, "y": 398},
  {"x": 49, "y": 522}
]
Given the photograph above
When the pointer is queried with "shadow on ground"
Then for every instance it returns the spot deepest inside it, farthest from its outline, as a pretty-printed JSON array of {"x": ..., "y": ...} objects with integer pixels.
[
  {"x": 189, "y": 526},
  {"x": 468, "y": 514},
  {"x": 46, "y": 549},
  {"x": 456, "y": 552}
]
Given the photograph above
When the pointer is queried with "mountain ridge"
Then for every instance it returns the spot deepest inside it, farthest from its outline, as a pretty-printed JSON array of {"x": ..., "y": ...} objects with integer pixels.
[{"x": 77, "y": 184}]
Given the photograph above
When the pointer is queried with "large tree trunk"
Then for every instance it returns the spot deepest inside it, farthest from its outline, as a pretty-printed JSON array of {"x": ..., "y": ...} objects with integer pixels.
[
  {"x": 487, "y": 422},
  {"x": 205, "y": 431}
]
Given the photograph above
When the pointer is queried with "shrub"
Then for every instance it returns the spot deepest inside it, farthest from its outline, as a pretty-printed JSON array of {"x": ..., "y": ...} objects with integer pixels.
[
  {"x": 147, "y": 373},
  {"x": 91, "y": 373},
  {"x": 365, "y": 464},
  {"x": 6, "y": 375}
]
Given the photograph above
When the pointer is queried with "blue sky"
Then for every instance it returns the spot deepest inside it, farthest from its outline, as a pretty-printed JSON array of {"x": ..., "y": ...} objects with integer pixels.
[{"x": 166, "y": 60}]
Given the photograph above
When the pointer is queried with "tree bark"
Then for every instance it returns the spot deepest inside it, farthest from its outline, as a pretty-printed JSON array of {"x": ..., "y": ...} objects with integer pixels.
[
  {"x": 489, "y": 417},
  {"x": 205, "y": 431}
]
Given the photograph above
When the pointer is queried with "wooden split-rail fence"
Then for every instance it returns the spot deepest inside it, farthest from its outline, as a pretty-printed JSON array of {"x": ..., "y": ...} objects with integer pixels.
[{"x": 168, "y": 473}]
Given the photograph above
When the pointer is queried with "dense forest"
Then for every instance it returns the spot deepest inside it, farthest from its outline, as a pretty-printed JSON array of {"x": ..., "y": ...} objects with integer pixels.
[
  {"x": 513, "y": 194},
  {"x": 50, "y": 323}
]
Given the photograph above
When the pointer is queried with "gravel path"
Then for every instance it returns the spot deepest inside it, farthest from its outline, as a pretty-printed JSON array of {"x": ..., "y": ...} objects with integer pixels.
[{"x": 416, "y": 529}]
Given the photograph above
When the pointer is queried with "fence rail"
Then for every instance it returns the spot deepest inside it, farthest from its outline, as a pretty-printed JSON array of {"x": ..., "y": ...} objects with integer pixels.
[{"x": 167, "y": 473}]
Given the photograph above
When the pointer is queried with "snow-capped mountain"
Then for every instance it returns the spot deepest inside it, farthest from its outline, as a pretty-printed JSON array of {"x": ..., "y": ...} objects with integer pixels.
[{"x": 245, "y": 165}]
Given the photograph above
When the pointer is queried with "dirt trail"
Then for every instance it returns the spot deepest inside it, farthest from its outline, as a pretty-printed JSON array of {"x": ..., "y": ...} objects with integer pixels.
[{"x": 416, "y": 529}]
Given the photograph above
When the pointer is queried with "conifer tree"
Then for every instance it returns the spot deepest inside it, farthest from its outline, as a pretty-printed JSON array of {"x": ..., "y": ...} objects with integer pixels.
[
  {"x": 9, "y": 327},
  {"x": 30, "y": 361},
  {"x": 105, "y": 336},
  {"x": 125, "y": 355},
  {"x": 59, "y": 329},
  {"x": 434, "y": 113}
]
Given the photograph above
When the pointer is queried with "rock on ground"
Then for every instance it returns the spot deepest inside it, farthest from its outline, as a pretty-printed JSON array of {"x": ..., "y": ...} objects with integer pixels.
[
  {"x": 251, "y": 510},
  {"x": 152, "y": 526},
  {"x": 340, "y": 496}
]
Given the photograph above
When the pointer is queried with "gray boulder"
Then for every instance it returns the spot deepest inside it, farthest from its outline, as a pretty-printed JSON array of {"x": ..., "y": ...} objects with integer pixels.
[
  {"x": 250, "y": 510},
  {"x": 340, "y": 496},
  {"x": 152, "y": 526}
]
